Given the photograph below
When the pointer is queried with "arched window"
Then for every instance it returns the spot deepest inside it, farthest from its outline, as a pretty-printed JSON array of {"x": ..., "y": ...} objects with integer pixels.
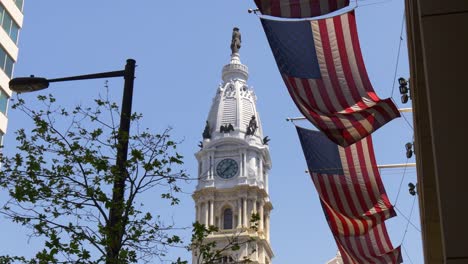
[
  {"x": 227, "y": 260},
  {"x": 227, "y": 218}
]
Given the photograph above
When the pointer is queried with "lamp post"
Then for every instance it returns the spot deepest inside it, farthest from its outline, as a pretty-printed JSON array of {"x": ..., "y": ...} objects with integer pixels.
[{"x": 115, "y": 226}]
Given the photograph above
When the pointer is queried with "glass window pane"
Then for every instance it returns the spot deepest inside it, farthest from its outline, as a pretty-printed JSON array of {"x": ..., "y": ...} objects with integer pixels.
[
  {"x": 7, "y": 23},
  {"x": 3, "y": 56},
  {"x": 2, "y": 13},
  {"x": 9, "y": 67},
  {"x": 3, "y": 102},
  {"x": 227, "y": 219},
  {"x": 19, "y": 4},
  {"x": 14, "y": 33}
]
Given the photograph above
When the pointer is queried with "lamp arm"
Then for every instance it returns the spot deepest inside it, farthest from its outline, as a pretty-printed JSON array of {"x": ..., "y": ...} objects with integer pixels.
[{"x": 111, "y": 74}]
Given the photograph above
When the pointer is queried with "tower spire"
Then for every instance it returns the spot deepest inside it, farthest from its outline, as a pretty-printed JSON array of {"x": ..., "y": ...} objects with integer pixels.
[{"x": 235, "y": 69}]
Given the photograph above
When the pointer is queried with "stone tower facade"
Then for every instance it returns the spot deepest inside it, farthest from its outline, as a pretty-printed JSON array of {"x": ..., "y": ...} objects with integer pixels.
[{"x": 233, "y": 166}]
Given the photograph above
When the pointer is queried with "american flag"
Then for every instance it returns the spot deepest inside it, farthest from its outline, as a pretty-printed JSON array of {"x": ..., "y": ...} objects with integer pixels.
[
  {"x": 352, "y": 196},
  {"x": 372, "y": 247},
  {"x": 299, "y": 8},
  {"x": 322, "y": 66}
]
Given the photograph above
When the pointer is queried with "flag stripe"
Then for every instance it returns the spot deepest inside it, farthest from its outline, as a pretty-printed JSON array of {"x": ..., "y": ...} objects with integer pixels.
[
  {"x": 344, "y": 57},
  {"x": 369, "y": 180},
  {"x": 332, "y": 4},
  {"x": 275, "y": 7},
  {"x": 358, "y": 55},
  {"x": 379, "y": 193},
  {"x": 293, "y": 91},
  {"x": 372, "y": 253},
  {"x": 338, "y": 101},
  {"x": 334, "y": 69},
  {"x": 357, "y": 181},
  {"x": 341, "y": 226},
  {"x": 322, "y": 41},
  {"x": 295, "y": 8}
]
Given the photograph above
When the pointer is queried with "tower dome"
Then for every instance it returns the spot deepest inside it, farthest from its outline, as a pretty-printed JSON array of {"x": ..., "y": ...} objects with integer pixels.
[{"x": 233, "y": 111}]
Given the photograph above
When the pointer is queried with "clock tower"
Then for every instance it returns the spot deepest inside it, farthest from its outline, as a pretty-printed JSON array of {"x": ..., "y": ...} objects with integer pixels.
[{"x": 233, "y": 166}]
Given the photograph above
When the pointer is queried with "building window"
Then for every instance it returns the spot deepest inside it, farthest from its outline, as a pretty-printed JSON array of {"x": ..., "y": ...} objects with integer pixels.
[
  {"x": 1, "y": 138},
  {"x": 19, "y": 4},
  {"x": 3, "y": 102},
  {"x": 226, "y": 260},
  {"x": 8, "y": 24},
  {"x": 227, "y": 218},
  {"x": 6, "y": 62}
]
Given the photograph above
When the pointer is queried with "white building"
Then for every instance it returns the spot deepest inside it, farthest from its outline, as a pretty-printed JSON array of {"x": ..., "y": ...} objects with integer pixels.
[
  {"x": 233, "y": 169},
  {"x": 337, "y": 259},
  {"x": 11, "y": 20}
]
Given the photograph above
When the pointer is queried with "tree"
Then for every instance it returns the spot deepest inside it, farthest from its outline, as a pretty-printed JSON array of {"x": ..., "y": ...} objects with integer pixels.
[{"x": 60, "y": 183}]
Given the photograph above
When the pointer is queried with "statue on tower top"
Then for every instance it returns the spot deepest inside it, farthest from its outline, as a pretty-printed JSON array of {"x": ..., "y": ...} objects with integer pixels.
[{"x": 236, "y": 40}]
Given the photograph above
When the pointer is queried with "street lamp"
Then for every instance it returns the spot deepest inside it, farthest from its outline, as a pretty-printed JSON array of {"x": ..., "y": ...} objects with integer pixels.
[{"x": 116, "y": 224}]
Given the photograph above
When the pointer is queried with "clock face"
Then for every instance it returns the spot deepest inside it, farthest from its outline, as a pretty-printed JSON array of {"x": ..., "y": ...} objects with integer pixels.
[{"x": 227, "y": 168}]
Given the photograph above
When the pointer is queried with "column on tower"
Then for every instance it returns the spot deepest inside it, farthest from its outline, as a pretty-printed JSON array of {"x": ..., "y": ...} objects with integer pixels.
[
  {"x": 261, "y": 253},
  {"x": 254, "y": 208},
  {"x": 260, "y": 226},
  {"x": 242, "y": 164},
  {"x": 197, "y": 211},
  {"x": 260, "y": 173},
  {"x": 211, "y": 212},
  {"x": 267, "y": 229},
  {"x": 211, "y": 164},
  {"x": 239, "y": 213},
  {"x": 244, "y": 209},
  {"x": 205, "y": 208},
  {"x": 244, "y": 160}
]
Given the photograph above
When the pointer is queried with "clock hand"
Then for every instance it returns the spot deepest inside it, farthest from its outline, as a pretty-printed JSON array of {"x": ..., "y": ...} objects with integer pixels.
[{"x": 228, "y": 167}]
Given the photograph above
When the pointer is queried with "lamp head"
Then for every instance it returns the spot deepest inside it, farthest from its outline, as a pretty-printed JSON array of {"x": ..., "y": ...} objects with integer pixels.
[
  {"x": 408, "y": 145},
  {"x": 404, "y": 98},
  {"x": 28, "y": 84},
  {"x": 402, "y": 81}
]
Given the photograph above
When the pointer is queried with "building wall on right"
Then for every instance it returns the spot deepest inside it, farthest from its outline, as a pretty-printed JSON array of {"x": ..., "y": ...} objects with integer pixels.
[{"x": 438, "y": 50}]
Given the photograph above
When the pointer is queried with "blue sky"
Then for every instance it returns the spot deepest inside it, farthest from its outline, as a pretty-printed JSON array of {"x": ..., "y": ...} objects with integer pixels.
[{"x": 180, "y": 48}]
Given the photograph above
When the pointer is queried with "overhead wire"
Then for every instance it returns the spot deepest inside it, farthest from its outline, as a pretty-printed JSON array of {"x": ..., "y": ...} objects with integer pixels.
[
  {"x": 401, "y": 184},
  {"x": 407, "y": 255},
  {"x": 408, "y": 122},
  {"x": 375, "y": 3},
  {"x": 398, "y": 54},
  {"x": 408, "y": 219},
  {"x": 406, "y": 228}
]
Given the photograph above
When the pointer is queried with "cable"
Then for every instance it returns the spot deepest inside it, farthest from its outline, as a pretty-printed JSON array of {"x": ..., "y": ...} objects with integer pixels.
[
  {"x": 406, "y": 252},
  {"x": 408, "y": 122},
  {"x": 376, "y": 3},
  {"x": 401, "y": 183},
  {"x": 406, "y": 218},
  {"x": 398, "y": 55},
  {"x": 409, "y": 220}
]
